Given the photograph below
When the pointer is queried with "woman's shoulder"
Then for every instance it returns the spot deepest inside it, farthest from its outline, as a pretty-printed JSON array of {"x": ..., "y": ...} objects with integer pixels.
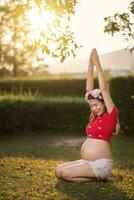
[
  {"x": 114, "y": 110},
  {"x": 113, "y": 113}
]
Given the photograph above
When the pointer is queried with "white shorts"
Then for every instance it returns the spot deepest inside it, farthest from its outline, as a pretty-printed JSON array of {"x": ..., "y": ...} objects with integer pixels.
[{"x": 102, "y": 167}]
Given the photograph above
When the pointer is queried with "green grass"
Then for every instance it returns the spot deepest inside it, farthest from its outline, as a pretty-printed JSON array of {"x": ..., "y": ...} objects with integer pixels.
[{"x": 27, "y": 164}]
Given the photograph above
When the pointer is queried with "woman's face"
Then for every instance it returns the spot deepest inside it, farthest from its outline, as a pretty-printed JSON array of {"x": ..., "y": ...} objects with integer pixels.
[{"x": 97, "y": 107}]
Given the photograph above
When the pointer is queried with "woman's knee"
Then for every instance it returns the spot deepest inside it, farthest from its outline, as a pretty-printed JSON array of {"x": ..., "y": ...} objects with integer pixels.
[
  {"x": 65, "y": 174},
  {"x": 58, "y": 172}
]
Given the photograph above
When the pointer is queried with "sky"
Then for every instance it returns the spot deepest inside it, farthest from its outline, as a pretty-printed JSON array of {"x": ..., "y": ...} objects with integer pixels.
[{"x": 87, "y": 25}]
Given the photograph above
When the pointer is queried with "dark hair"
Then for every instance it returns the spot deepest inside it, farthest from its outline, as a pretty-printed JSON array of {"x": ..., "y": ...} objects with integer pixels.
[{"x": 100, "y": 99}]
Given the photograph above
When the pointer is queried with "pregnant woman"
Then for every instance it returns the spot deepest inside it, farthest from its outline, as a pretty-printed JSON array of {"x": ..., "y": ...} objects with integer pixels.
[{"x": 96, "y": 159}]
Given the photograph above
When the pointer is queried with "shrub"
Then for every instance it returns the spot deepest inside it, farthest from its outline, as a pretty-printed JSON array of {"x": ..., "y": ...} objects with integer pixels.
[
  {"x": 42, "y": 114},
  {"x": 44, "y": 87},
  {"x": 122, "y": 91}
]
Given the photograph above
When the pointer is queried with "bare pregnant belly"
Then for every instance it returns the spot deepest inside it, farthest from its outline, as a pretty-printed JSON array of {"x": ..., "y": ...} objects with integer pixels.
[{"x": 93, "y": 149}]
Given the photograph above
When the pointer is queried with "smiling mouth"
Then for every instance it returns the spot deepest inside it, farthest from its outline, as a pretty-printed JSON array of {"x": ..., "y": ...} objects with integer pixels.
[{"x": 95, "y": 112}]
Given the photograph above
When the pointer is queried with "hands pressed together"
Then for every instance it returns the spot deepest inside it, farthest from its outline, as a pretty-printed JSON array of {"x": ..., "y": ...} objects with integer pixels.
[{"x": 94, "y": 58}]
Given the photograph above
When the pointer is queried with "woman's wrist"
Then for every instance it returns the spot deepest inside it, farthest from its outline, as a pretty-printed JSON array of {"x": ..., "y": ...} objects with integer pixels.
[
  {"x": 90, "y": 66},
  {"x": 98, "y": 65}
]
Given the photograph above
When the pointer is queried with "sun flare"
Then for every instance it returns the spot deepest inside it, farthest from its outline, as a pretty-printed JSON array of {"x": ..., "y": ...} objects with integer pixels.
[{"x": 39, "y": 22}]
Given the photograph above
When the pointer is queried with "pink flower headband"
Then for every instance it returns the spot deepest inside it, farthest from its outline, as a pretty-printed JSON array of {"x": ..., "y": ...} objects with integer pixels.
[{"x": 96, "y": 94}]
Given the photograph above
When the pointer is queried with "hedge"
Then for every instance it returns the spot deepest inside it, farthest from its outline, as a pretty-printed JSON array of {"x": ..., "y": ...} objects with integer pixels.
[
  {"x": 40, "y": 115},
  {"x": 122, "y": 92},
  {"x": 46, "y": 87},
  {"x": 59, "y": 112}
]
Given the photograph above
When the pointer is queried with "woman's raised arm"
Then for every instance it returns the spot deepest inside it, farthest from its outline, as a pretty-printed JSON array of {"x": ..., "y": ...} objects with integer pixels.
[
  {"x": 90, "y": 80},
  {"x": 102, "y": 82}
]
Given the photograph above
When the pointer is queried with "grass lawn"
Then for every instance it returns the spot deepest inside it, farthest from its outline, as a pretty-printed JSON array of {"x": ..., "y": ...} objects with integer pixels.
[{"x": 27, "y": 166}]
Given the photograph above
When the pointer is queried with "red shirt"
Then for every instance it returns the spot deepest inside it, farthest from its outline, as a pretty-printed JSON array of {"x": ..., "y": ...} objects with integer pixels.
[{"x": 102, "y": 127}]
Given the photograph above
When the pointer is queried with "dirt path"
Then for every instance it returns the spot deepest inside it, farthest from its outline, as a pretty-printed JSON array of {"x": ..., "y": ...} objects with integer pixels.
[{"x": 74, "y": 141}]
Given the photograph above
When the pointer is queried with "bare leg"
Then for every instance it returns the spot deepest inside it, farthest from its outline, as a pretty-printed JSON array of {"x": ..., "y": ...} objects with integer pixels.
[
  {"x": 63, "y": 166},
  {"x": 78, "y": 172}
]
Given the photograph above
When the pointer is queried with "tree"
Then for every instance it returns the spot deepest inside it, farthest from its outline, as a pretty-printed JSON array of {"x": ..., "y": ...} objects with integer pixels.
[
  {"x": 123, "y": 23},
  {"x": 18, "y": 49}
]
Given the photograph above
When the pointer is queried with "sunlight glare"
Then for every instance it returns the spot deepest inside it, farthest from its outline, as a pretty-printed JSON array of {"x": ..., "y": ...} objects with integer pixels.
[{"x": 39, "y": 21}]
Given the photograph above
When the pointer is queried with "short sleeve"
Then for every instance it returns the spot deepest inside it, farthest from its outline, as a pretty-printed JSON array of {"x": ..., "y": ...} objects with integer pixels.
[
  {"x": 114, "y": 113},
  {"x": 110, "y": 121}
]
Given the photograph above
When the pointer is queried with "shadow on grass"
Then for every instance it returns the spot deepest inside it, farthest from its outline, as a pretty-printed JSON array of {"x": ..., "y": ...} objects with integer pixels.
[{"x": 94, "y": 190}]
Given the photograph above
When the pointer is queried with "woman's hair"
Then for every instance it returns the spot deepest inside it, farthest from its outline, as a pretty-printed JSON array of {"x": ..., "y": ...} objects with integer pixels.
[{"x": 91, "y": 117}]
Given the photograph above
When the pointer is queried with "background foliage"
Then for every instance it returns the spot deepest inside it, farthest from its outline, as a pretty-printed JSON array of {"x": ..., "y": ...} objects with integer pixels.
[
  {"x": 22, "y": 44},
  {"x": 58, "y": 104},
  {"x": 124, "y": 23}
]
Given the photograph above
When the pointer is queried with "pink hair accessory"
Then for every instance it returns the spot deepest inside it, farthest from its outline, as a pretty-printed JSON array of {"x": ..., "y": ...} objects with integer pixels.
[{"x": 96, "y": 93}]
